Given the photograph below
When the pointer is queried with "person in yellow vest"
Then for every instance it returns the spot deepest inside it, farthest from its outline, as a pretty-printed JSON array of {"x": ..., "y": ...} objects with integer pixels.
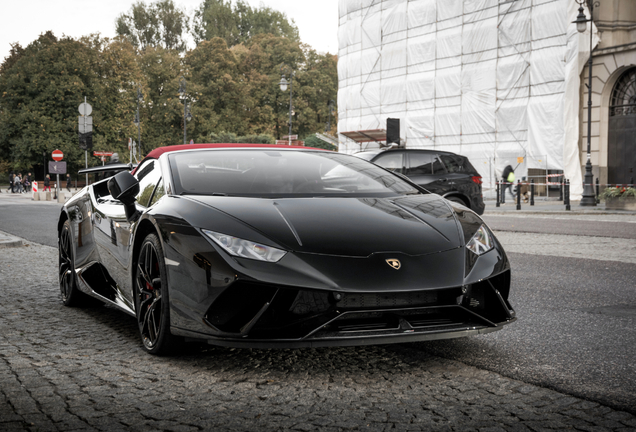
[{"x": 508, "y": 178}]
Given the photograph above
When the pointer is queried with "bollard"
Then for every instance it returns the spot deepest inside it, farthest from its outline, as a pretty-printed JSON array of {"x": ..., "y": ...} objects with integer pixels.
[
  {"x": 503, "y": 192},
  {"x": 598, "y": 201},
  {"x": 518, "y": 194},
  {"x": 567, "y": 195},
  {"x": 561, "y": 186},
  {"x": 498, "y": 197},
  {"x": 631, "y": 182},
  {"x": 532, "y": 192}
]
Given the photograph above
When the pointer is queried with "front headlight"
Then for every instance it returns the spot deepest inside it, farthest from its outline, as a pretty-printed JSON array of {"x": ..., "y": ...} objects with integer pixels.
[
  {"x": 481, "y": 242},
  {"x": 245, "y": 248}
]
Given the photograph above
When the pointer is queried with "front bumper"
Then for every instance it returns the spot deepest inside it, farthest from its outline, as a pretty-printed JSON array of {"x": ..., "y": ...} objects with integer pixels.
[{"x": 267, "y": 316}]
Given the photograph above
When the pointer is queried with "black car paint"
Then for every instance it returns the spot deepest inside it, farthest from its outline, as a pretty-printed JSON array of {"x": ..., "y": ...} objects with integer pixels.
[
  {"x": 209, "y": 270},
  {"x": 200, "y": 272}
]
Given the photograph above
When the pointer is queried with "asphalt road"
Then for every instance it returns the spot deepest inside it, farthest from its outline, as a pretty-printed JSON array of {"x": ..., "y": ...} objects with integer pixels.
[
  {"x": 576, "y": 332},
  {"x": 34, "y": 221}
]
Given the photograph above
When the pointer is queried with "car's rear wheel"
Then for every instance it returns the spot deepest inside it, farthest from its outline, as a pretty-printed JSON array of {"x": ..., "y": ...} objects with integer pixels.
[
  {"x": 151, "y": 299},
  {"x": 70, "y": 293}
]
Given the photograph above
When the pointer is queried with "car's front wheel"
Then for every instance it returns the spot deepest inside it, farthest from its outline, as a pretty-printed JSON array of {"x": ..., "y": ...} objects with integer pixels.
[
  {"x": 70, "y": 293},
  {"x": 151, "y": 299}
]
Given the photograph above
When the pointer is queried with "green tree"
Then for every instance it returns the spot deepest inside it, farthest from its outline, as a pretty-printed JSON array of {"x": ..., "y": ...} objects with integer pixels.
[
  {"x": 40, "y": 92},
  {"x": 43, "y": 88},
  {"x": 229, "y": 137},
  {"x": 239, "y": 23},
  {"x": 314, "y": 141},
  {"x": 159, "y": 24},
  {"x": 119, "y": 75},
  {"x": 260, "y": 61},
  {"x": 221, "y": 95},
  {"x": 162, "y": 110},
  {"x": 316, "y": 85}
]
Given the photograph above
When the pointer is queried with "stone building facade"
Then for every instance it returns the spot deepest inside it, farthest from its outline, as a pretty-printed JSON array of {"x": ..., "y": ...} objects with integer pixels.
[{"x": 613, "y": 132}]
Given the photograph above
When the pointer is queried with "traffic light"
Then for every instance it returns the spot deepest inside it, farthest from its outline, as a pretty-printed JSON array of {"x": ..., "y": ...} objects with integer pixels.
[{"x": 86, "y": 141}]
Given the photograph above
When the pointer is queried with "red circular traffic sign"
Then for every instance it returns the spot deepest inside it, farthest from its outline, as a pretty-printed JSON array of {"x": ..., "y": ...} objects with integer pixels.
[{"x": 57, "y": 155}]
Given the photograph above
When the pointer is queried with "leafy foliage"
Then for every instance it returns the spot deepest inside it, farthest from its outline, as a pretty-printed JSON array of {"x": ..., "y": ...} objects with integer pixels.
[
  {"x": 239, "y": 23},
  {"x": 618, "y": 193},
  {"x": 314, "y": 141},
  {"x": 160, "y": 24},
  {"x": 229, "y": 138}
]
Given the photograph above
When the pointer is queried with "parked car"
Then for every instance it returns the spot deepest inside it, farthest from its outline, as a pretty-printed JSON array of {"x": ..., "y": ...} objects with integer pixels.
[
  {"x": 444, "y": 173},
  {"x": 251, "y": 245}
]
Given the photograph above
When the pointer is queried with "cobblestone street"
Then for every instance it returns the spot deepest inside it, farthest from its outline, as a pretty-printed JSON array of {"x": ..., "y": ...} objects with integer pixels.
[{"x": 83, "y": 369}]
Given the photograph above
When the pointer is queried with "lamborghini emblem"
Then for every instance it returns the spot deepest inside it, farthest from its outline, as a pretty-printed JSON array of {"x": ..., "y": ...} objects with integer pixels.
[{"x": 394, "y": 263}]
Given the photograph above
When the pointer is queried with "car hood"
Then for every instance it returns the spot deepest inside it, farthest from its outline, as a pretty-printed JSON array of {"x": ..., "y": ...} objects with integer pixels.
[{"x": 413, "y": 225}]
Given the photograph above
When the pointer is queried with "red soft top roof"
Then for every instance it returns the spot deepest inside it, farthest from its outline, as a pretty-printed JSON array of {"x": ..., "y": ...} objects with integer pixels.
[{"x": 161, "y": 150}]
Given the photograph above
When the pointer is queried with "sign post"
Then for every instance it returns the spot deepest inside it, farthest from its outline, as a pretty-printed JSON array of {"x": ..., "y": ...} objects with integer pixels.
[
  {"x": 57, "y": 156},
  {"x": 85, "y": 130},
  {"x": 102, "y": 155}
]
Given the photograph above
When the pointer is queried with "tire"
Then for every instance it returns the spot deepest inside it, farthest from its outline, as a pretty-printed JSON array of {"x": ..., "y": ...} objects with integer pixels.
[
  {"x": 457, "y": 200},
  {"x": 70, "y": 293},
  {"x": 152, "y": 303}
]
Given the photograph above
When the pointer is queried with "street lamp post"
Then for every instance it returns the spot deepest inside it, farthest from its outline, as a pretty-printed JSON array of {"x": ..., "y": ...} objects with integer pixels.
[
  {"x": 138, "y": 119},
  {"x": 588, "y": 199},
  {"x": 182, "y": 92},
  {"x": 283, "y": 86}
]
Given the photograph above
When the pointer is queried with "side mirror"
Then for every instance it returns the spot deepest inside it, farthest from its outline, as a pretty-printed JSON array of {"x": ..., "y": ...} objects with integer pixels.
[{"x": 124, "y": 187}]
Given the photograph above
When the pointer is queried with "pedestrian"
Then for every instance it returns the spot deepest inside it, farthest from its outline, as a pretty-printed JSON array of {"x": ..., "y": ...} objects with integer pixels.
[
  {"x": 68, "y": 182},
  {"x": 28, "y": 181},
  {"x": 10, "y": 188},
  {"x": 47, "y": 183},
  {"x": 17, "y": 183},
  {"x": 508, "y": 178}
]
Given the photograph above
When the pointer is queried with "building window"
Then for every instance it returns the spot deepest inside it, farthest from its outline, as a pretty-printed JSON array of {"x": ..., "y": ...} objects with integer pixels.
[{"x": 623, "y": 100}]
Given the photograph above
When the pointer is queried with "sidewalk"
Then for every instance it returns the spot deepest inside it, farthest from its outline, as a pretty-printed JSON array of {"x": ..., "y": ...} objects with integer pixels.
[
  {"x": 550, "y": 206},
  {"x": 4, "y": 195}
]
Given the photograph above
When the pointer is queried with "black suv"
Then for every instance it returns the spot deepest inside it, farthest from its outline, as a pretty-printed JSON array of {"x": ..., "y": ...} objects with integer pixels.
[{"x": 444, "y": 173}]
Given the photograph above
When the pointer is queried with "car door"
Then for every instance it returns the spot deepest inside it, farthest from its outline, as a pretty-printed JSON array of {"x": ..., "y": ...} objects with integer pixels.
[
  {"x": 457, "y": 178},
  {"x": 113, "y": 234},
  {"x": 423, "y": 168}
]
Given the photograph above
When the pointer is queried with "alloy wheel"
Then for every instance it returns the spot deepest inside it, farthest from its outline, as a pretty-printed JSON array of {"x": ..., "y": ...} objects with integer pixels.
[
  {"x": 65, "y": 264},
  {"x": 148, "y": 291}
]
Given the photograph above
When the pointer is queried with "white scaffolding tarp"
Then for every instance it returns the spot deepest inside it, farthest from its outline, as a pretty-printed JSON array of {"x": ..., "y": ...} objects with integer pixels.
[{"x": 490, "y": 79}]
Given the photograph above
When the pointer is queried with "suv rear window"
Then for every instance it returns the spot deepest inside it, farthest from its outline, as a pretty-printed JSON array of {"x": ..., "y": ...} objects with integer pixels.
[{"x": 454, "y": 164}]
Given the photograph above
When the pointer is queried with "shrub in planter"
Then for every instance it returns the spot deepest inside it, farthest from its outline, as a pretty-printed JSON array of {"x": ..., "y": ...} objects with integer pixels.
[{"x": 622, "y": 198}]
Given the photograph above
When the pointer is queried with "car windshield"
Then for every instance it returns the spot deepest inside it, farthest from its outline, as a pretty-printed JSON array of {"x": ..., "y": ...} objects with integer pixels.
[{"x": 279, "y": 173}]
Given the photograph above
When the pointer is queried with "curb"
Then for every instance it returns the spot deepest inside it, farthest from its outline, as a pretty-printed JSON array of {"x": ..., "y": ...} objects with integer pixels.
[{"x": 9, "y": 241}]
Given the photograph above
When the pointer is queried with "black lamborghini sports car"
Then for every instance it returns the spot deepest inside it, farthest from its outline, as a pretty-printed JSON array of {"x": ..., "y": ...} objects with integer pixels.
[{"x": 250, "y": 245}]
